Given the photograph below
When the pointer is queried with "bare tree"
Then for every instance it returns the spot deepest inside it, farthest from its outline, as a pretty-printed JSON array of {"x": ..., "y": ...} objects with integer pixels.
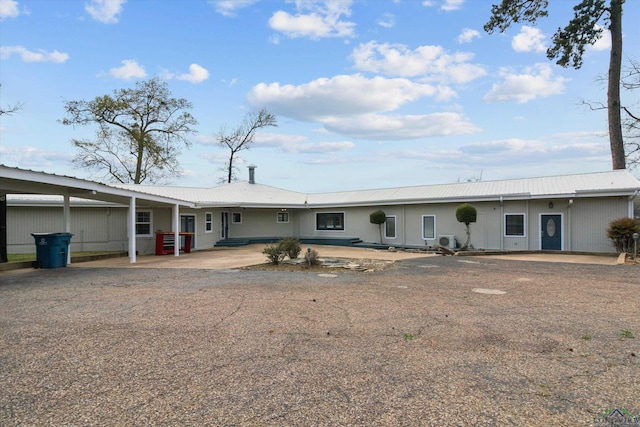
[
  {"x": 11, "y": 108},
  {"x": 139, "y": 132},
  {"x": 569, "y": 46},
  {"x": 631, "y": 120},
  {"x": 242, "y": 137}
]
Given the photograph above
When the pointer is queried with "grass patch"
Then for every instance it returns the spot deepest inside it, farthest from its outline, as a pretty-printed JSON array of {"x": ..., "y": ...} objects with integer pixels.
[{"x": 626, "y": 334}]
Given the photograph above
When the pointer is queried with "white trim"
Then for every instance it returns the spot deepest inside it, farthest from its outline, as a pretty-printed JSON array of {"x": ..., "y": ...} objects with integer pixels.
[
  {"x": 524, "y": 225},
  {"x": 435, "y": 229},
  {"x": 278, "y": 217},
  {"x": 209, "y": 222},
  {"x": 135, "y": 225},
  {"x": 233, "y": 217},
  {"x": 395, "y": 227}
]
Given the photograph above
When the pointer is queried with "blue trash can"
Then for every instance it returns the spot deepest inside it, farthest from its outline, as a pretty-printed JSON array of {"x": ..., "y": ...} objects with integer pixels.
[{"x": 52, "y": 249}]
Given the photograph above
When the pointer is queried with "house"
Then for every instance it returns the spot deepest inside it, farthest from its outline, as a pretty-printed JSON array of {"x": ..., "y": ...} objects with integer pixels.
[{"x": 566, "y": 213}]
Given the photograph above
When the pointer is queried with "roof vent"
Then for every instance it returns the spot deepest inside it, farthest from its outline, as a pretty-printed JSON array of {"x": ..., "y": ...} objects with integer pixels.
[{"x": 252, "y": 174}]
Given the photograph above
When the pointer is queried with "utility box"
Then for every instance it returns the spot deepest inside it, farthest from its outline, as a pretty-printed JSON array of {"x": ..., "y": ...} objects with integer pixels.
[{"x": 52, "y": 249}]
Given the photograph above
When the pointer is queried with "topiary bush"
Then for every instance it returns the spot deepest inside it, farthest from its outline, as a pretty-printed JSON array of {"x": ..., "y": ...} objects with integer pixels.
[
  {"x": 621, "y": 231},
  {"x": 378, "y": 217},
  {"x": 466, "y": 213}
]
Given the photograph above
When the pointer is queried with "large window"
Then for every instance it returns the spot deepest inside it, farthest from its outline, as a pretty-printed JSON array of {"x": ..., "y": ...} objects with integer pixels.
[
  {"x": 428, "y": 227},
  {"x": 208, "y": 222},
  {"x": 390, "y": 227},
  {"x": 333, "y": 221},
  {"x": 514, "y": 225},
  {"x": 143, "y": 223}
]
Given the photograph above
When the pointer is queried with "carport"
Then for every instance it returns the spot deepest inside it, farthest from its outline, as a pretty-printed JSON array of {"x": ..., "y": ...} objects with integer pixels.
[{"x": 22, "y": 181}]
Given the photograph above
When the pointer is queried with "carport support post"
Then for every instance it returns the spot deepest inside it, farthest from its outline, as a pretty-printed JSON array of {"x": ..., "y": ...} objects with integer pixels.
[
  {"x": 66, "y": 218},
  {"x": 176, "y": 230},
  {"x": 3, "y": 228},
  {"x": 132, "y": 230}
]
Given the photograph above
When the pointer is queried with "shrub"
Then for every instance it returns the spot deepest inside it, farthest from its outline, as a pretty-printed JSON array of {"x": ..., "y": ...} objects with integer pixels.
[
  {"x": 290, "y": 246},
  {"x": 621, "y": 231},
  {"x": 311, "y": 258},
  {"x": 378, "y": 217},
  {"x": 274, "y": 254},
  {"x": 466, "y": 213}
]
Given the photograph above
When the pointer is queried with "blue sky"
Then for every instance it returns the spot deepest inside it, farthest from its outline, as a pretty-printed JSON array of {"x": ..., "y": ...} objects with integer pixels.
[{"x": 367, "y": 93}]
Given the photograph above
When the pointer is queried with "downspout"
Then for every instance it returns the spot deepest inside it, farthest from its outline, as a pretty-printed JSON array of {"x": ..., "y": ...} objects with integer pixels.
[
  {"x": 131, "y": 225},
  {"x": 569, "y": 234},
  {"x": 501, "y": 220},
  {"x": 631, "y": 203},
  {"x": 404, "y": 225}
]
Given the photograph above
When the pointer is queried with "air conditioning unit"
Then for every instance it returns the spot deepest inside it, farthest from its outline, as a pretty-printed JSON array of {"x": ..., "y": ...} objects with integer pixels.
[{"x": 447, "y": 240}]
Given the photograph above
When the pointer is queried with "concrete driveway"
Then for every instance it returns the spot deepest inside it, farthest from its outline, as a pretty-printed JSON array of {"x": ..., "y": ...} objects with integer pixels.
[{"x": 229, "y": 258}]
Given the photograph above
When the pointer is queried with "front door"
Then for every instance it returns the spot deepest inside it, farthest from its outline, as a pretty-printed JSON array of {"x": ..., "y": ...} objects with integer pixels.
[
  {"x": 224, "y": 225},
  {"x": 551, "y": 232},
  {"x": 188, "y": 225}
]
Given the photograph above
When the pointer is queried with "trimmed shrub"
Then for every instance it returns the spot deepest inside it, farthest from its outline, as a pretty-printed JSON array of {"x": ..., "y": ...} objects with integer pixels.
[
  {"x": 378, "y": 217},
  {"x": 621, "y": 231},
  {"x": 466, "y": 213}
]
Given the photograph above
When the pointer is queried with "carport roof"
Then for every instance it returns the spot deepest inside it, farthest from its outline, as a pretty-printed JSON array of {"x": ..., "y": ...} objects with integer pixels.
[{"x": 22, "y": 181}]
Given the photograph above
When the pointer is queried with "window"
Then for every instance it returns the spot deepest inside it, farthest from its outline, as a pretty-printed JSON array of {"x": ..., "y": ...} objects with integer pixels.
[
  {"x": 428, "y": 227},
  {"x": 143, "y": 223},
  {"x": 208, "y": 222},
  {"x": 390, "y": 227},
  {"x": 236, "y": 218},
  {"x": 514, "y": 225},
  {"x": 333, "y": 221},
  {"x": 283, "y": 217}
]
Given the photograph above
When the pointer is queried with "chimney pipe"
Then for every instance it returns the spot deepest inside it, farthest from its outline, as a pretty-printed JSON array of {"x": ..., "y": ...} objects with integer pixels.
[{"x": 252, "y": 174}]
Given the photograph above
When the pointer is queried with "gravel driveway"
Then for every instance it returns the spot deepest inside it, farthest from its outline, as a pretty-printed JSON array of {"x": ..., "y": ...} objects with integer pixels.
[{"x": 414, "y": 345}]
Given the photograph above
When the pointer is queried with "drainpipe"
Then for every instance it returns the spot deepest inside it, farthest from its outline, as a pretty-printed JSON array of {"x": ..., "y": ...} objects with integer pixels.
[
  {"x": 569, "y": 234},
  {"x": 631, "y": 199},
  {"x": 501, "y": 232}
]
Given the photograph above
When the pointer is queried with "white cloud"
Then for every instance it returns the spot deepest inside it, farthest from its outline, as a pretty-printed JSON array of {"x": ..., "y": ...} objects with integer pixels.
[
  {"x": 468, "y": 35},
  {"x": 30, "y": 56},
  {"x": 432, "y": 63},
  {"x": 298, "y": 144},
  {"x": 105, "y": 11},
  {"x": 529, "y": 39},
  {"x": 322, "y": 19},
  {"x": 27, "y": 156},
  {"x": 450, "y": 5},
  {"x": 387, "y": 21},
  {"x": 130, "y": 69},
  {"x": 343, "y": 95},
  {"x": 8, "y": 9},
  {"x": 229, "y": 7},
  {"x": 391, "y": 127},
  {"x": 535, "y": 82},
  {"x": 197, "y": 74},
  {"x": 604, "y": 42}
]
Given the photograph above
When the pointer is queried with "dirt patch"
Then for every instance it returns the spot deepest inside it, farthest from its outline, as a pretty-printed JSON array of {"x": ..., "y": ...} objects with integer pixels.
[{"x": 327, "y": 265}]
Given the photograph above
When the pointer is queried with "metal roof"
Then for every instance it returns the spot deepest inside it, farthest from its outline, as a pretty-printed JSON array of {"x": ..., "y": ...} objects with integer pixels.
[{"x": 244, "y": 194}]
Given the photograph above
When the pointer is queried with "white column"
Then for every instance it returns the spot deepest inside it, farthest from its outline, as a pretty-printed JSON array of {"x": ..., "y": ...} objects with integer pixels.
[
  {"x": 176, "y": 230},
  {"x": 66, "y": 218},
  {"x": 131, "y": 226}
]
